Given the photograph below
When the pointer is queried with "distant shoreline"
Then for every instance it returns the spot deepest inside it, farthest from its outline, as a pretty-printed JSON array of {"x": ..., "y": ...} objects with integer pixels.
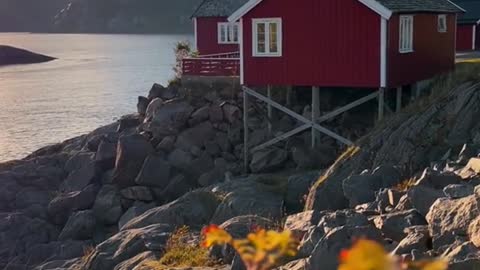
[{"x": 100, "y": 33}]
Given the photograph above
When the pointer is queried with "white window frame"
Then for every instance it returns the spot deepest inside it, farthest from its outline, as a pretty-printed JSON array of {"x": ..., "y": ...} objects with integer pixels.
[
  {"x": 228, "y": 30},
  {"x": 406, "y": 30},
  {"x": 267, "y": 53},
  {"x": 441, "y": 18}
]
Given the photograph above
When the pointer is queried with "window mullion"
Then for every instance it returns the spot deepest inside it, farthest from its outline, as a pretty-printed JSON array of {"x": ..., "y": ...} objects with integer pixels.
[{"x": 267, "y": 37}]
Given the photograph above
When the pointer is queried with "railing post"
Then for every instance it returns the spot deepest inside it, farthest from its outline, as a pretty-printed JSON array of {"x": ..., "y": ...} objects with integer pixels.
[{"x": 245, "y": 130}]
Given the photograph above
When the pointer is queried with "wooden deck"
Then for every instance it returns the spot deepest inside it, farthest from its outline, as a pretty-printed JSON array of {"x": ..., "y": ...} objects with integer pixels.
[{"x": 226, "y": 64}]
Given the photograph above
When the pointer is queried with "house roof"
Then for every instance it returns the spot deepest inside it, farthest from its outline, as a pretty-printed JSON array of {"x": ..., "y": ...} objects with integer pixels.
[
  {"x": 420, "y": 5},
  {"x": 384, "y": 8},
  {"x": 218, "y": 8},
  {"x": 472, "y": 8}
]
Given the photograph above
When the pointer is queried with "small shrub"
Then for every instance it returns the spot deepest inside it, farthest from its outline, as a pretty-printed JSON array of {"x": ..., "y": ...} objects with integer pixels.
[{"x": 406, "y": 184}]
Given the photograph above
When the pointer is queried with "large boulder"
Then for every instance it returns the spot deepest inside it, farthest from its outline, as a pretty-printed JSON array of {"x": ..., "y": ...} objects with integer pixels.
[
  {"x": 108, "y": 206},
  {"x": 248, "y": 197},
  {"x": 268, "y": 160},
  {"x": 170, "y": 118},
  {"x": 82, "y": 172},
  {"x": 417, "y": 238},
  {"x": 142, "y": 105},
  {"x": 131, "y": 153},
  {"x": 136, "y": 210},
  {"x": 154, "y": 173},
  {"x": 57, "y": 250},
  {"x": 422, "y": 197},
  {"x": 127, "y": 244},
  {"x": 297, "y": 190},
  {"x": 159, "y": 91},
  {"x": 393, "y": 225},
  {"x": 106, "y": 155},
  {"x": 448, "y": 218},
  {"x": 80, "y": 226},
  {"x": 326, "y": 251},
  {"x": 194, "y": 209},
  {"x": 457, "y": 191},
  {"x": 195, "y": 136},
  {"x": 62, "y": 206}
]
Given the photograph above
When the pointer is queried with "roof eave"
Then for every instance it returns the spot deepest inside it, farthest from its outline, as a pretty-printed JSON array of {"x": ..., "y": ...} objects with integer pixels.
[
  {"x": 457, "y": 6},
  {"x": 372, "y": 4}
]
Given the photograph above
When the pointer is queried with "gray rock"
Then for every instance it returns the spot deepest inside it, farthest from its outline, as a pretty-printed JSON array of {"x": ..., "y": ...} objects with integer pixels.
[
  {"x": 142, "y": 105},
  {"x": 215, "y": 113},
  {"x": 108, "y": 207},
  {"x": 248, "y": 198},
  {"x": 195, "y": 136},
  {"x": 468, "y": 264},
  {"x": 170, "y": 118},
  {"x": 80, "y": 226},
  {"x": 232, "y": 113},
  {"x": 359, "y": 189},
  {"x": 193, "y": 209},
  {"x": 106, "y": 155},
  {"x": 417, "y": 238},
  {"x": 129, "y": 123},
  {"x": 166, "y": 144},
  {"x": 180, "y": 159},
  {"x": 474, "y": 231},
  {"x": 393, "y": 225},
  {"x": 153, "y": 107},
  {"x": 29, "y": 196},
  {"x": 131, "y": 153},
  {"x": 448, "y": 218},
  {"x": 458, "y": 191},
  {"x": 268, "y": 160},
  {"x": 62, "y": 206},
  {"x": 200, "y": 115},
  {"x": 422, "y": 197},
  {"x": 297, "y": 190},
  {"x": 82, "y": 172},
  {"x": 136, "y": 210},
  {"x": 56, "y": 250},
  {"x": 154, "y": 173},
  {"x": 132, "y": 263},
  {"x": 159, "y": 91},
  {"x": 137, "y": 193},
  {"x": 127, "y": 244},
  {"x": 178, "y": 187},
  {"x": 327, "y": 250},
  {"x": 436, "y": 180},
  {"x": 459, "y": 252}
]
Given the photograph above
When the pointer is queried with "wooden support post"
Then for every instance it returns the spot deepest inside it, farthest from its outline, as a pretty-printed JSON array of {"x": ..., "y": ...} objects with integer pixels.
[
  {"x": 269, "y": 110},
  {"x": 245, "y": 130},
  {"x": 315, "y": 113},
  {"x": 399, "y": 98},
  {"x": 381, "y": 103},
  {"x": 289, "y": 96}
]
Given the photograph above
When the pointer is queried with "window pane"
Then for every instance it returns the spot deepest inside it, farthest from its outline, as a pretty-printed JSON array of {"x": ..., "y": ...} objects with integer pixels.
[
  {"x": 235, "y": 32},
  {"x": 261, "y": 38},
  {"x": 223, "y": 33},
  {"x": 273, "y": 35}
]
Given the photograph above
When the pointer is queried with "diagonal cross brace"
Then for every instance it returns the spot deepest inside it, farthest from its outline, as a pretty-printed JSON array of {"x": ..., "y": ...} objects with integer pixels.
[{"x": 297, "y": 116}]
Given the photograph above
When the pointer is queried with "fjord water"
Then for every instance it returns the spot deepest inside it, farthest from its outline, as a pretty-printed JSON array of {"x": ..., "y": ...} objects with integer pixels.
[{"x": 94, "y": 81}]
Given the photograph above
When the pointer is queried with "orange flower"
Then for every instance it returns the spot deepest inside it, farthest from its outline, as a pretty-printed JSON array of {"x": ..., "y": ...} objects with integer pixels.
[{"x": 214, "y": 235}]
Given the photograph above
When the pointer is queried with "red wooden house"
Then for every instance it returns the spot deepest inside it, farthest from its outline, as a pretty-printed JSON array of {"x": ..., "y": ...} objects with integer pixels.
[
  {"x": 468, "y": 29},
  {"x": 369, "y": 44},
  {"x": 216, "y": 40},
  {"x": 347, "y": 43}
]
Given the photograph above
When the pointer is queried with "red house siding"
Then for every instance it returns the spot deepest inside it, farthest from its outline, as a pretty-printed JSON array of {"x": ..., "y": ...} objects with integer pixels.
[
  {"x": 207, "y": 37},
  {"x": 325, "y": 43},
  {"x": 433, "y": 53},
  {"x": 465, "y": 37}
]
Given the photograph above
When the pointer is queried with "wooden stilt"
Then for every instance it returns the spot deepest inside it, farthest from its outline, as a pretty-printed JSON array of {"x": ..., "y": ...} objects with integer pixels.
[
  {"x": 399, "y": 98},
  {"x": 315, "y": 113},
  {"x": 269, "y": 110},
  {"x": 381, "y": 103},
  {"x": 289, "y": 96},
  {"x": 245, "y": 129}
]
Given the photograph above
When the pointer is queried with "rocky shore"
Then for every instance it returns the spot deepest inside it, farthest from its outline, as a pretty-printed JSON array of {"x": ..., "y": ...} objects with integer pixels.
[
  {"x": 14, "y": 56},
  {"x": 111, "y": 199}
]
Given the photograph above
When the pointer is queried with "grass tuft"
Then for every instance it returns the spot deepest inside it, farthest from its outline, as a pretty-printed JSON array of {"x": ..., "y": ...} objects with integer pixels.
[{"x": 181, "y": 253}]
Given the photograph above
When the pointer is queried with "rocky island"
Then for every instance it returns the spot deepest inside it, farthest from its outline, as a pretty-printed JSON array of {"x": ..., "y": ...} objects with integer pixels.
[
  {"x": 14, "y": 56},
  {"x": 111, "y": 199}
]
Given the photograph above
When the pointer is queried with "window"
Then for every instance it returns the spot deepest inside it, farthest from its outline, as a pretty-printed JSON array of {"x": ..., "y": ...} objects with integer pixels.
[
  {"x": 228, "y": 33},
  {"x": 406, "y": 34},
  {"x": 267, "y": 37},
  {"x": 442, "y": 23}
]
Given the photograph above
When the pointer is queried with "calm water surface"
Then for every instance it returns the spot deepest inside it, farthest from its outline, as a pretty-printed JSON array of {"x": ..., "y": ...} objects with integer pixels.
[{"x": 94, "y": 81}]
